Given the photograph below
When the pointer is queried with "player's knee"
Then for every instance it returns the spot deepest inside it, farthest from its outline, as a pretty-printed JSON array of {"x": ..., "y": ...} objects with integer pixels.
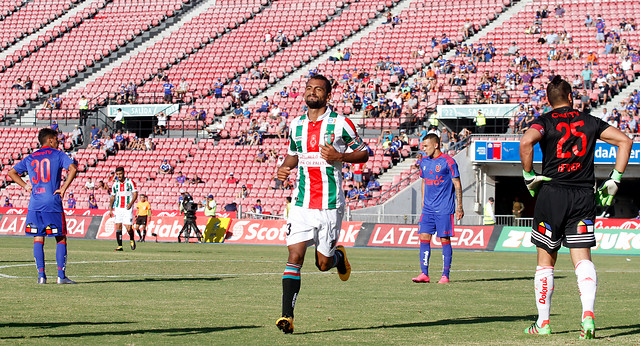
[
  {"x": 425, "y": 236},
  {"x": 295, "y": 258},
  {"x": 323, "y": 264}
]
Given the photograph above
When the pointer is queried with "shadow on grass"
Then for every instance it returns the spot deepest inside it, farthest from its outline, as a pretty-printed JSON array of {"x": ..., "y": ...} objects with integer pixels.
[
  {"x": 635, "y": 329},
  {"x": 168, "y": 331},
  {"x": 173, "y": 279},
  {"x": 55, "y": 324},
  {"x": 445, "y": 322},
  {"x": 522, "y": 278}
]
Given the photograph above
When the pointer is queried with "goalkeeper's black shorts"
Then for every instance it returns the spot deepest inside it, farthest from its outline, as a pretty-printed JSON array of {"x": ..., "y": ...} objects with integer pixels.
[{"x": 564, "y": 215}]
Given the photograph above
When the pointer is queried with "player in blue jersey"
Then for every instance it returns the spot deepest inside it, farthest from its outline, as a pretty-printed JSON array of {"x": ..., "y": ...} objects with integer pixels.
[
  {"x": 45, "y": 217},
  {"x": 441, "y": 198}
]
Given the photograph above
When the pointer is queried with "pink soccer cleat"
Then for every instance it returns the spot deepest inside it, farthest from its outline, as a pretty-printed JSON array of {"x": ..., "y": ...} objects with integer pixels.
[
  {"x": 443, "y": 280},
  {"x": 421, "y": 278}
]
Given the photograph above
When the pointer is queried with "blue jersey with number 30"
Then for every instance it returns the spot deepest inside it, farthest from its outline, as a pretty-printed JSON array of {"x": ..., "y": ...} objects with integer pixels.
[{"x": 45, "y": 169}]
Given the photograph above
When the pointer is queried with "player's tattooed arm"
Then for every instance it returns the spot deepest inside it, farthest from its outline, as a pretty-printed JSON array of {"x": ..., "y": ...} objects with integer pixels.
[{"x": 458, "y": 187}]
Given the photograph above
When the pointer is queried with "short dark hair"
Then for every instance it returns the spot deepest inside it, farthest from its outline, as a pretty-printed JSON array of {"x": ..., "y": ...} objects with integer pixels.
[
  {"x": 433, "y": 137},
  {"x": 45, "y": 133},
  {"x": 120, "y": 169},
  {"x": 558, "y": 91},
  {"x": 325, "y": 80}
]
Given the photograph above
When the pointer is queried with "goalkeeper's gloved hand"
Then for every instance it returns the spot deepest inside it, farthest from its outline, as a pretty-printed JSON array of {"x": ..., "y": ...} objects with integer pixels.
[
  {"x": 608, "y": 189},
  {"x": 533, "y": 181}
]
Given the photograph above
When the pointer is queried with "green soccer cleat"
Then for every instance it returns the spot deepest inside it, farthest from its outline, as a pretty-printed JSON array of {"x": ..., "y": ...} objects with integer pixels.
[
  {"x": 588, "y": 328},
  {"x": 534, "y": 329},
  {"x": 285, "y": 324}
]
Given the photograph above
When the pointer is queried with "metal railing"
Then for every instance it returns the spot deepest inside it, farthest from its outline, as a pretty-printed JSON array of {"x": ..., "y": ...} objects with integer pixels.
[
  {"x": 258, "y": 216},
  {"x": 501, "y": 220}
]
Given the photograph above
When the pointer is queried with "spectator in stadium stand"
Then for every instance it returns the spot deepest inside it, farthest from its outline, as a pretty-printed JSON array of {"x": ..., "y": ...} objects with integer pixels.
[
  {"x": 89, "y": 185},
  {"x": 161, "y": 76},
  {"x": 217, "y": 89},
  {"x": 61, "y": 137},
  {"x": 150, "y": 146},
  {"x": 237, "y": 89},
  {"x": 57, "y": 102},
  {"x": 517, "y": 208},
  {"x": 181, "y": 179},
  {"x": 588, "y": 21},
  {"x": 233, "y": 206},
  {"x": 336, "y": 56},
  {"x": 48, "y": 103},
  {"x": 76, "y": 136},
  {"x": 110, "y": 146},
  {"x": 363, "y": 193},
  {"x": 95, "y": 143},
  {"x": 231, "y": 180},
  {"x": 195, "y": 179},
  {"x": 257, "y": 208},
  {"x": 348, "y": 175},
  {"x": 102, "y": 186},
  {"x": 95, "y": 132},
  {"x": 165, "y": 167},
  {"x": 600, "y": 27},
  {"x": 243, "y": 193},
  {"x": 120, "y": 141},
  {"x": 167, "y": 88},
  {"x": 7, "y": 203},
  {"x": 261, "y": 156},
  {"x": 403, "y": 137},
  {"x": 284, "y": 93},
  {"x": 294, "y": 92},
  {"x": 373, "y": 184},
  {"x": 277, "y": 182},
  {"x": 358, "y": 169},
  {"x": 71, "y": 202},
  {"x": 281, "y": 131},
  {"x": 18, "y": 85},
  {"x": 351, "y": 194},
  {"x": 92, "y": 203},
  {"x": 467, "y": 28},
  {"x": 183, "y": 88},
  {"x": 118, "y": 119},
  {"x": 264, "y": 126},
  {"x": 264, "y": 107},
  {"x": 161, "y": 127}
]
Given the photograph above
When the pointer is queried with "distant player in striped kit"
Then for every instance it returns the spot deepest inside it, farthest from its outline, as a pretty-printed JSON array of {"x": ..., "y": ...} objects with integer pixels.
[
  {"x": 319, "y": 143},
  {"x": 123, "y": 194},
  {"x": 441, "y": 198},
  {"x": 45, "y": 217}
]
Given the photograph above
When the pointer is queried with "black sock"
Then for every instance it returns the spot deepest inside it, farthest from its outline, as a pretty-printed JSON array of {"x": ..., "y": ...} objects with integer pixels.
[
  {"x": 338, "y": 262},
  {"x": 131, "y": 235},
  {"x": 290, "y": 288},
  {"x": 119, "y": 237},
  {"x": 144, "y": 234}
]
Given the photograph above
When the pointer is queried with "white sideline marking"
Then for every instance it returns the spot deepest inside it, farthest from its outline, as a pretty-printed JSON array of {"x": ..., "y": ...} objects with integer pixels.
[{"x": 254, "y": 274}]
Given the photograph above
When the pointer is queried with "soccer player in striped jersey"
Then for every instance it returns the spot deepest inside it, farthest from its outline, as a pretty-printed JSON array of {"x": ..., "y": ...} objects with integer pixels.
[
  {"x": 123, "y": 195},
  {"x": 319, "y": 143},
  {"x": 45, "y": 217}
]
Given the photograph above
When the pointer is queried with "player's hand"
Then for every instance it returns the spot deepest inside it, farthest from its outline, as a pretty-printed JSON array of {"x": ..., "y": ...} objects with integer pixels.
[
  {"x": 28, "y": 188},
  {"x": 608, "y": 189},
  {"x": 533, "y": 181},
  {"x": 56, "y": 192},
  {"x": 283, "y": 173},
  {"x": 110, "y": 213},
  {"x": 459, "y": 213},
  {"x": 329, "y": 153}
]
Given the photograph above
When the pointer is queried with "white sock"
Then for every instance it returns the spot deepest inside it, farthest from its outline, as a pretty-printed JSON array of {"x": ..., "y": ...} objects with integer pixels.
[
  {"x": 587, "y": 284},
  {"x": 544, "y": 290}
]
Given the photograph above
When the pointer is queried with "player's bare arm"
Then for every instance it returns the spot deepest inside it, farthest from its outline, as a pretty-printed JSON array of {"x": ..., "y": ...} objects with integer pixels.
[
  {"x": 13, "y": 174},
  {"x": 111, "y": 200},
  {"x": 329, "y": 153},
  {"x": 73, "y": 170},
  {"x": 290, "y": 162},
  {"x": 528, "y": 140},
  {"x": 133, "y": 200},
  {"x": 457, "y": 185},
  {"x": 616, "y": 137}
]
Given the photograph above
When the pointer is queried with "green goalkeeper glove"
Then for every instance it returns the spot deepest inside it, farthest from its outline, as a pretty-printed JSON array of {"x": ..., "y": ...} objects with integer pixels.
[
  {"x": 533, "y": 181},
  {"x": 608, "y": 189}
]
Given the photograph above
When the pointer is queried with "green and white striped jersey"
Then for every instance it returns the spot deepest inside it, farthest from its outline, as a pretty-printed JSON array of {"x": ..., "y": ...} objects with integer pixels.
[
  {"x": 123, "y": 192},
  {"x": 320, "y": 182}
]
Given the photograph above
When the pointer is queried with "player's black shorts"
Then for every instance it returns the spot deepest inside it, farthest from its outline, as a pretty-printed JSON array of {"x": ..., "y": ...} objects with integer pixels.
[
  {"x": 141, "y": 220},
  {"x": 564, "y": 215}
]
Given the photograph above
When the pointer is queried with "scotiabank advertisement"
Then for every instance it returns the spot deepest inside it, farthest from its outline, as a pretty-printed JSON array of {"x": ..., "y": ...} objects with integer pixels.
[
  {"x": 465, "y": 237},
  {"x": 274, "y": 232},
  {"x": 13, "y": 224},
  {"x": 609, "y": 241}
]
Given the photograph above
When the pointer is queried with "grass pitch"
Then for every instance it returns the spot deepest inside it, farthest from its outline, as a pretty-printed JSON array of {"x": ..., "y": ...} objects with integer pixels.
[{"x": 230, "y": 294}]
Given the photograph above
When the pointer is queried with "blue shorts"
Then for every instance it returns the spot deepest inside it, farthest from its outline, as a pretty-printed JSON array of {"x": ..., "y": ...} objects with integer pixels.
[
  {"x": 357, "y": 177},
  {"x": 439, "y": 224},
  {"x": 45, "y": 224}
]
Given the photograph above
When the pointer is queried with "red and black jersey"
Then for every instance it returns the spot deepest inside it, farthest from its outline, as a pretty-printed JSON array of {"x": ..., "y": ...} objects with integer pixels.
[{"x": 568, "y": 145}]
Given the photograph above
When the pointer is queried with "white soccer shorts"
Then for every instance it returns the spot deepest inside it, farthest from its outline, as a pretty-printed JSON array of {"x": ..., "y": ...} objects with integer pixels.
[
  {"x": 315, "y": 226},
  {"x": 123, "y": 216}
]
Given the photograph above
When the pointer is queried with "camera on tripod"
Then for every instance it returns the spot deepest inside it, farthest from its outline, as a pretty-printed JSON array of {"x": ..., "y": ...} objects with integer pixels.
[{"x": 190, "y": 228}]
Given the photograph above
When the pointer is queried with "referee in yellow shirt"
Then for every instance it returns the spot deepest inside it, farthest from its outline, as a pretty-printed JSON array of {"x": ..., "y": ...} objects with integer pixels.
[{"x": 144, "y": 214}]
